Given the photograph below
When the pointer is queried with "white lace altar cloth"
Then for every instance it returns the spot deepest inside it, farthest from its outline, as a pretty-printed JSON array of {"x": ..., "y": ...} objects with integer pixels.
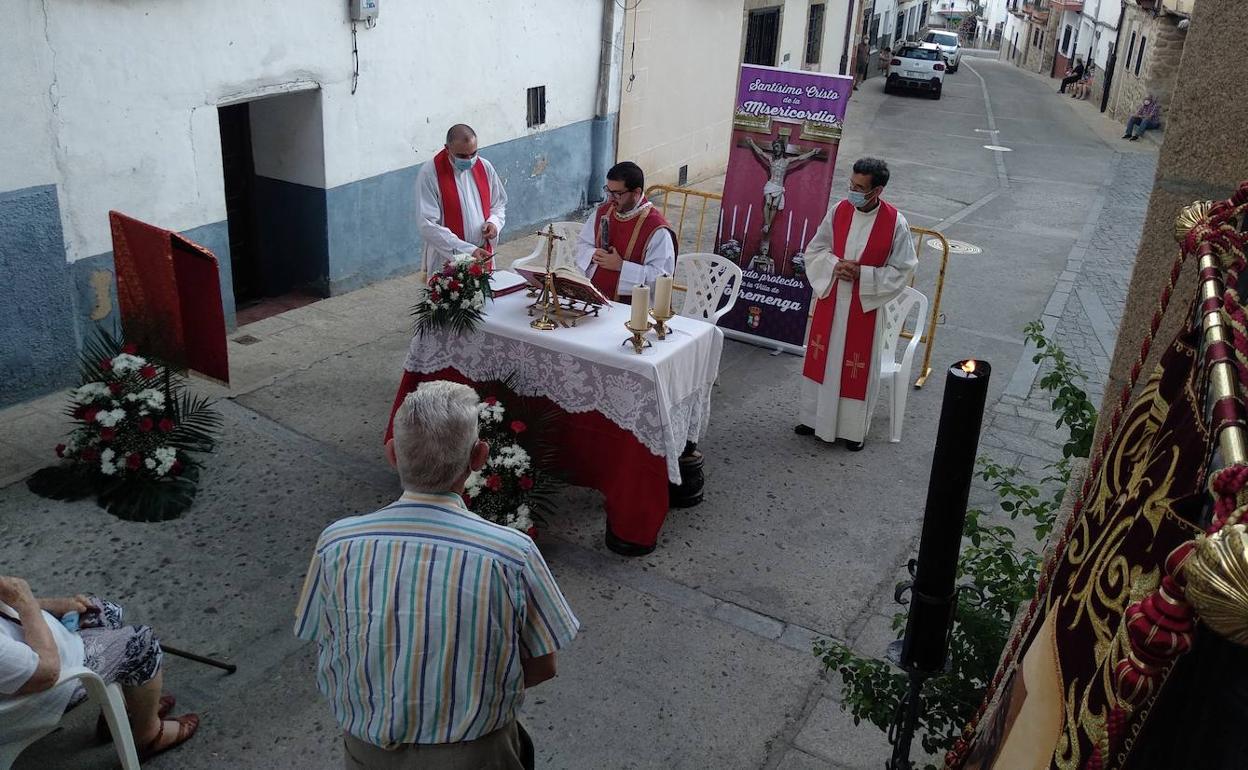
[{"x": 662, "y": 397}]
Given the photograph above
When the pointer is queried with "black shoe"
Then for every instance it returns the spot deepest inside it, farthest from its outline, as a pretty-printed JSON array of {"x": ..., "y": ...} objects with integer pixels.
[
  {"x": 804, "y": 430},
  {"x": 625, "y": 548},
  {"x": 855, "y": 446},
  {"x": 1126, "y": 136},
  {"x": 1134, "y": 138}
]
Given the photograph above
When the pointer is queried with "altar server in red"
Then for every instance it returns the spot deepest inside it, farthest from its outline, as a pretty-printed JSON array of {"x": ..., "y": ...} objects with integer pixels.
[
  {"x": 627, "y": 242},
  {"x": 861, "y": 257},
  {"x": 461, "y": 203}
]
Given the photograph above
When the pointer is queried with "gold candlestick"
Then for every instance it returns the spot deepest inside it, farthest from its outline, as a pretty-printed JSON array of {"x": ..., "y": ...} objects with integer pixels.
[
  {"x": 660, "y": 322},
  {"x": 637, "y": 338}
]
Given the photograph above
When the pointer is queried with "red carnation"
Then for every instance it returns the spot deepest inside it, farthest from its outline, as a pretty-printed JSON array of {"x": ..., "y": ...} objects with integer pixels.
[
  {"x": 518, "y": 427},
  {"x": 490, "y": 401},
  {"x": 148, "y": 372},
  {"x": 494, "y": 482},
  {"x": 475, "y": 269},
  {"x": 108, "y": 434},
  {"x": 146, "y": 425},
  {"x": 176, "y": 468},
  {"x": 89, "y": 414},
  {"x": 115, "y": 388},
  {"x": 526, "y": 483},
  {"x": 467, "y": 499},
  {"x": 60, "y": 450},
  {"x": 166, "y": 424},
  {"x": 106, "y": 364},
  {"x": 134, "y": 461},
  {"x": 456, "y": 285},
  {"x": 90, "y": 454},
  {"x": 435, "y": 297},
  {"x": 130, "y": 348}
]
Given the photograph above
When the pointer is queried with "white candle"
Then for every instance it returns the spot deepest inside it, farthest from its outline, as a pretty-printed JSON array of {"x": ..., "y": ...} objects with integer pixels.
[
  {"x": 732, "y": 234},
  {"x": 788, "y": 233},
  {"x": 721, "y": 225},
  {"x": 746, "y": 232},
  {"x": 663, "y": 295},
  {"x": 641, "y": 304},
  {"x": 802, "y": 243}
]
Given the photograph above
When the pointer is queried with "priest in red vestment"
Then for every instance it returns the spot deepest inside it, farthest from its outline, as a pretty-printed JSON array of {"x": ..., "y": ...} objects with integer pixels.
[
  {"x": 627, "y": 242},
  {"x": 460, "y": 200},
  {"x": 861, "y": 257}
]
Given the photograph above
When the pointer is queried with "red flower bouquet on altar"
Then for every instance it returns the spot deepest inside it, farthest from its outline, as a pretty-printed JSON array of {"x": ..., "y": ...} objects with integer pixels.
[
  {"x": 513, "y": 486},
  {"x": 136, "y": 434},
  {"x": 454, "y": 298}
]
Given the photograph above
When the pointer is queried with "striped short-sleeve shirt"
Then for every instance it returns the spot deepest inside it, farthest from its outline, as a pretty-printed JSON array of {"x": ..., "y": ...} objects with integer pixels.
[{"x": 421, "y": 613}]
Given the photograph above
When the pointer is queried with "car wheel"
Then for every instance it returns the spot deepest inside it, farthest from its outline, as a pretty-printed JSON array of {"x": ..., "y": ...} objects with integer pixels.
[{"x": 936, "y": 94}]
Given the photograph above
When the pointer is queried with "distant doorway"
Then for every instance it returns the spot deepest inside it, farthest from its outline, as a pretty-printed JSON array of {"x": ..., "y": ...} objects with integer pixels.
[
  {"x": 762, "y": 37},
  {"x": 273, "y": 170}
]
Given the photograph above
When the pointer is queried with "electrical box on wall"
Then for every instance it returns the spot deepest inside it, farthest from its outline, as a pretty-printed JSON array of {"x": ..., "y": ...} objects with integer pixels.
[{"x": 363, "y": 10}]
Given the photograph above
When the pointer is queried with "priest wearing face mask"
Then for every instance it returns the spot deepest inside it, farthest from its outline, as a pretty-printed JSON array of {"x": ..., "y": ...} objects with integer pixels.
[
  {"x": 861, "y": 257},
  {"x": 460, "y": 200},
  {"x": 627, "y": 242}
]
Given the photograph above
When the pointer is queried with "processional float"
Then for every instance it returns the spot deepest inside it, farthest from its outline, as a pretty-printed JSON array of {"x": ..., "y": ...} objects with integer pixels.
[{"x": 1132, "y": 653}]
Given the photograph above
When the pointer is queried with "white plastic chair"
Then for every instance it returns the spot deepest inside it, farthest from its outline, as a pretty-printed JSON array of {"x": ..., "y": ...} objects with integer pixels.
[
  {"x": 894, "y": 373},
  {"x": 107, "y": 696},
  {"x": 711, "y": 280},
  {"x": 565, "y": 250}
]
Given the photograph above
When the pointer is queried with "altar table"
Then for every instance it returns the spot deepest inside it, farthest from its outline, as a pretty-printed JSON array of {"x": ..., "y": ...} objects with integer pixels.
[{"x": 628, "y": 416}]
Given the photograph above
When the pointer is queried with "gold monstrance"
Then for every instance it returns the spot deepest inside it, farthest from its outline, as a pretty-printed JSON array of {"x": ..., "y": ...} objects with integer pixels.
[{"x": 548, "y": 300}]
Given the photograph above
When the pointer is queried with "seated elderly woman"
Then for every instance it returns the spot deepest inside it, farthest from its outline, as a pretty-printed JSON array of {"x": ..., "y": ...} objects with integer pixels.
[
  {"x": 1082, "y": 89},
  {"x": 40, "y": 637}
]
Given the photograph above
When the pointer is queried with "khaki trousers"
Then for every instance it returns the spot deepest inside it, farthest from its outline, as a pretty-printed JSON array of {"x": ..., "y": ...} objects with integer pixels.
[{"x": 507, "y": 748}]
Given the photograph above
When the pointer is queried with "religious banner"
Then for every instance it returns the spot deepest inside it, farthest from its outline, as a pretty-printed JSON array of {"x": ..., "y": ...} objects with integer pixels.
[
  {"x": 786, "y": 129},
  {"x": 169, "y": 295}
]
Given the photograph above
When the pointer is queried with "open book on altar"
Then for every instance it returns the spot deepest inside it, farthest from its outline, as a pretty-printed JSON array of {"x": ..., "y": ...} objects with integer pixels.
[{"x": 570, "y": 284}]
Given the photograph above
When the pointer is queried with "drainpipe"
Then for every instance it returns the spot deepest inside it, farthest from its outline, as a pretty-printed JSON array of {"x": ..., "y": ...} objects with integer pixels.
[
  {"x": 603, "y": 141},
  {"x": 1112, "y": 62},
  {"x": 849, "y": 28}
]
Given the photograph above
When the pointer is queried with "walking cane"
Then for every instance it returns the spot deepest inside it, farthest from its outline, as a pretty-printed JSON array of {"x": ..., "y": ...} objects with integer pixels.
[{"x": 229, "y": 668}]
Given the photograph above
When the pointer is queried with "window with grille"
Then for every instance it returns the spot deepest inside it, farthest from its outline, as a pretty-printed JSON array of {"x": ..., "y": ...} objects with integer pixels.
[
  {"x": 814, "y": 33},
  {"x": 762, "y": 37},
  {"x": 1066, "y": 41},
  {"x": 1130, "y": 50},
  {"x": 537, "y": 106},
  {"x": 1139, "y": 57}
]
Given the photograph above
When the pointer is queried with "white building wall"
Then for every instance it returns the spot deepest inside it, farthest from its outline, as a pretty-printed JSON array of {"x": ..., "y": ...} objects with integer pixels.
[
  {"x": 666, "y": 121},
  {"x": 137, "y": 86},
  {"x": 26, "y": 100}
]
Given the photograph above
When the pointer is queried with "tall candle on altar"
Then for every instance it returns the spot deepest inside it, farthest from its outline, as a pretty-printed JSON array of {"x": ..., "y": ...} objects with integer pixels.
[
  {"x": 663, "y": 295},
  {"x": 641, "y": 304},
  {"x": 934, "y": 594},
  {"x": 732, "y": 233},
  {"x": 801, "y": 245}
]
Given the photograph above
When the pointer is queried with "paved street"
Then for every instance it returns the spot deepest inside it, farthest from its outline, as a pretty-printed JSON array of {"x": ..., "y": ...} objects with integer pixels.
[{"x": 695, "y": 656}]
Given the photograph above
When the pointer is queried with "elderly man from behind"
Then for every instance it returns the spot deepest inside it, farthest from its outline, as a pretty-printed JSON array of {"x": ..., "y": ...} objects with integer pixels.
[{"x": 430, "y": 621}]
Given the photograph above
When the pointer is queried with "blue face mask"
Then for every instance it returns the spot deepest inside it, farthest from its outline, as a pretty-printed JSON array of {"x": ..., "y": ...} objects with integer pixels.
[
  {"x": 856, "y": 199},
  {"x": 463, "y": 164}
]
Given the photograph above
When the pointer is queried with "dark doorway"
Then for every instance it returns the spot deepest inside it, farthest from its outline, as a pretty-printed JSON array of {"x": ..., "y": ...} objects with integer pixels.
[
  {"x": 238, "y": 165},
  {"x": 762, "y": 37}
]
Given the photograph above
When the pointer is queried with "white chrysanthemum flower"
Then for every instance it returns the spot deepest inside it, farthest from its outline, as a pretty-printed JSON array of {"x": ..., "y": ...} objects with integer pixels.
[
  {"x": 125, "y": 363},
  {"x": 474, "y": 484},
  {"x": 154, "y": 398},
  {"x": 107, "y": 456},
  {"x": 90, "y": 392},
  {"x": 107, "y": 468},
  {"x": 109, "y": 418}
]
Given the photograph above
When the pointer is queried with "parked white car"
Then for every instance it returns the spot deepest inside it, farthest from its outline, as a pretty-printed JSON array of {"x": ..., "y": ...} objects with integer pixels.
[
  {"x": 949, "y": 44},
  {"x": 919, "y": 66}
]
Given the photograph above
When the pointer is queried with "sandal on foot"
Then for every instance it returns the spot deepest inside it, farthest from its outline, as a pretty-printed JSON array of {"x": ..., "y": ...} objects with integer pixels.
[
  {"x": 187, "y": 725},
  {"x": 104, "y": 735}
]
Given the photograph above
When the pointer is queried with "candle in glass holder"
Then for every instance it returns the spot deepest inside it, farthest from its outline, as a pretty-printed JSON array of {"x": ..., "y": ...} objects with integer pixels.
[
  {"x": 663, "y": 295},
  {"x": 641, "y": 305}
]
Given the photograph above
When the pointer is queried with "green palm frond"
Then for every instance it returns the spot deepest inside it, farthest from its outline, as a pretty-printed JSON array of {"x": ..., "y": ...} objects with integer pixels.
[
  {"x": 99, "y": 347},
  {"x": 198, "y": 424}
]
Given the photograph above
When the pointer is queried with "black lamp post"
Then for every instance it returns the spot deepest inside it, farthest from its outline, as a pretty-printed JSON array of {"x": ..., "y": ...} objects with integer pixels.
[{"x": 934, "y": 592}]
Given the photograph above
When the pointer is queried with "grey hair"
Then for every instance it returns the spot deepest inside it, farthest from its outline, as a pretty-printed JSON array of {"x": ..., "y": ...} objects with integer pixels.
[
  {"x": 873, "y": 167},
  {"x": 435, "y": 429}
]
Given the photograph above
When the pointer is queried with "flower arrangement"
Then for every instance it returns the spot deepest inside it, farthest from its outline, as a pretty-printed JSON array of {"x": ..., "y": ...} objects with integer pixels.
[
  {"x": 137, "y": 432},
  {"x": 454, "y": 298},
  {"x": 730, "y": 249},
  {"x": 513, "y": 487}
]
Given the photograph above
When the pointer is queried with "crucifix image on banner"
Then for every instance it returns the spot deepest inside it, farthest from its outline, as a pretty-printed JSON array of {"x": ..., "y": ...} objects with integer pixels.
[{"x": 786, "y": 128}]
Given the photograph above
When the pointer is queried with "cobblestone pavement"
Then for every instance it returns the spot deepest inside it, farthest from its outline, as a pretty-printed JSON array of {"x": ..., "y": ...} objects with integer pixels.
[{"x": 1082, "y": 315}]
